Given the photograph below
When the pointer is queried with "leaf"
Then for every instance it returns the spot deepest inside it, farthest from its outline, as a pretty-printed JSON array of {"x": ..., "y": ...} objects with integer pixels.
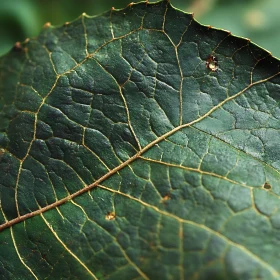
[{"x": 125, "y": 157}]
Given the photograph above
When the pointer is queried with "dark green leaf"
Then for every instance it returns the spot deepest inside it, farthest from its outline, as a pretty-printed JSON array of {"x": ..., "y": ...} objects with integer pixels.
[{"x": 139, "y": 144}]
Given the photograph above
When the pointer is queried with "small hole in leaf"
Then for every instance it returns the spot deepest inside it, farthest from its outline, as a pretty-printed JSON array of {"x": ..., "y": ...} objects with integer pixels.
[
  {"x": 110, "y": 216},
  {"x": 212, "y": 63},
  {"x": 267, "y": 186}
]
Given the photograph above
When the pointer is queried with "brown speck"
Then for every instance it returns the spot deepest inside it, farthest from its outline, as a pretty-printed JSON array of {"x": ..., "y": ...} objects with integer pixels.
[
  {"x": 166, "y": 197},
  {"x": 47, "y": 25},
  {"x": 130, "y": 4},
  {"x": 17, "y": 46},
  {"x": 113, "y": 9},
  {"x": 267, "y": 186},
  {"x": 110, "y": 216},
  {"x": 212, "y": 63},
  {"x": 66, "y": 23}
]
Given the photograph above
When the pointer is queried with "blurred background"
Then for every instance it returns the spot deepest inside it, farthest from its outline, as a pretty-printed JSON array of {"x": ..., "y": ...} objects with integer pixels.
[{"x": 258, "y": 20}]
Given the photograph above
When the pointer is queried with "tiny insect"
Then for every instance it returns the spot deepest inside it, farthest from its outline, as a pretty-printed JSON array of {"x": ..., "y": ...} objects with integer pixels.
[{"x": 212, "y": 63}]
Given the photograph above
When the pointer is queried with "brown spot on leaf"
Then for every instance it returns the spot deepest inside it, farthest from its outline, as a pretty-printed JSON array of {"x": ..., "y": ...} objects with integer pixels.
[
  {"x": 267, "y": 186},
  {"x": 212, "y": 63},
  {"x": 166, "y": 197},
  {"x": 110, "y": 216}
]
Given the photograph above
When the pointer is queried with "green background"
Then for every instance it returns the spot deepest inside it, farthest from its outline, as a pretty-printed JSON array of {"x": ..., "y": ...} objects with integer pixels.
[{"x": 255, "y": 19}]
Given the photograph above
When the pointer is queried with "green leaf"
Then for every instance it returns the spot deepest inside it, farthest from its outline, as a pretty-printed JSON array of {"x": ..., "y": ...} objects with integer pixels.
[{"x": 139, "y": 144}]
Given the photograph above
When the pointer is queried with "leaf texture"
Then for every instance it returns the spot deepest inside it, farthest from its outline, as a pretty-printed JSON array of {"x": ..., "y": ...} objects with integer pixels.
[{"x": 123, "y": 156}]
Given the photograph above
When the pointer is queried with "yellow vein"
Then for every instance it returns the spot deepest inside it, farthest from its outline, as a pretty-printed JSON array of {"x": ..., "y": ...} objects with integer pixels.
[
  {"x": 30, "y": 145},
  {"x": 164, "y": 16},
  {"x": 273, "y": 271},
  {"x": 66, "y": 248},
  {"x": 133, "y": 264},
  {"x": 52, "y": 63},
  {"x": 253, "y": 202},
  {"x": 130, "y": 160},
  {"x": 239, "y": 151},
  {"x": 94, "y": 154},
  {"x": 123, "y": 98},
  {"x": 181, "y": 74},
  {"x": 195, "y": 170},
  {"x": 48, "y": 176},
  {"x": 181, "y": 86},
  {"x": 111, "y": 23},
  {"x": 85, "y": 32},
  {"x": 15, "y": 245},
  {"x": 19, "y": 256},
  {"x": 82, "y": 209},
  {"x": 124, "y": 253},
  {"x": 181, "y": 248},
  {"x": 128, "y": 119}
]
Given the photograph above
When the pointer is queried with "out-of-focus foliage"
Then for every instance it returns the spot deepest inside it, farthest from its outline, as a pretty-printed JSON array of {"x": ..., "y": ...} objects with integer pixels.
[{"x": 256, "y": 19}]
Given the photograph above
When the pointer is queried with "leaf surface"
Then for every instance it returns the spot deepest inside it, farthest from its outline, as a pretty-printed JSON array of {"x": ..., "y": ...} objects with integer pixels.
[{"x": 124, "y": 155}]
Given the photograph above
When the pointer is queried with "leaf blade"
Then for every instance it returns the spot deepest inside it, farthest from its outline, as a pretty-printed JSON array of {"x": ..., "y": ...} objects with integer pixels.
[{"x": 164, "y": 148}]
